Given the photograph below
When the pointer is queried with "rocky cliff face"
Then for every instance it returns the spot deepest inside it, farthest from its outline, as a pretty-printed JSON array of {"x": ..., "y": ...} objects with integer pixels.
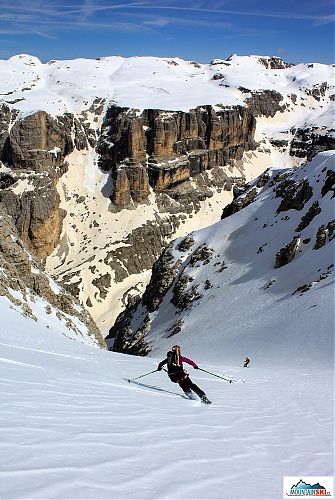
[
  {"x": 34, "y": 149},
  {"x": 21, "y": 275},
  {"x": 161, "y": 149}
]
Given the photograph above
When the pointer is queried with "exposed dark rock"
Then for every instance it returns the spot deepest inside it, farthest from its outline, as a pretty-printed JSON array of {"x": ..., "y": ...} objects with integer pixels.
[
  {"x": 294, "y": 195},
  {"x": 331, "y": 229},
  {"x": 131, "y": 339},
  {"x": 36, "y": 214},
  {"x": 222, "y": 267},
  {"x": 73, "y": 287},
  {"x": 218, "y": 76},
  {"x": 303, "y": 288},
  {"x": 329, "y": 184},
  {"x": 279, "y": 143},
  {"x": 39, "y": 143},
  {"x": 207, "y": 285},
  {"x": 308, "y": 142},
  {"x": 176, "y": 328},
  {"x": 185, "y": 299},
  {"x": 6, "y": 180},
  {"x": 180, "y": 298},
  {"x": 239, "y": 203},
  {"x": 321, "y": 237},
  {"x": 312, "y": 212},
  {"x": 35, "y": 148},
  {"x": 135, "y": 345},
  {"x": 164, "y": 273},
  {"x": 186, "y": 244},
  {"x": 307, "y": 286},
  {"x": 103, "y": 283},
  {"x": 130, "y": 184},
  {"x": 274, "y": 62},
  {"x": 140, "y": 249},
  {"x": 244, "y": 90},
  {"x": 287, "y": 254},
  {"x": 263, "y": 179},
  {"x": 7, "y": 118},
  {"x": 318, "y": 91},
  {"x": 201, "y": 254},
  {"x": 265, "y": 103}
]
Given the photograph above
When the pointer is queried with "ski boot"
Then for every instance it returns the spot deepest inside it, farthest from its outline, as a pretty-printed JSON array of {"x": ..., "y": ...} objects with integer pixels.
[{"x": 205, "y": 400}]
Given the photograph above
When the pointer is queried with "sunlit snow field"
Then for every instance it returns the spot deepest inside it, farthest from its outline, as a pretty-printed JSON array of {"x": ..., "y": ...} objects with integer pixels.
[{"x": 72, "y": 427}]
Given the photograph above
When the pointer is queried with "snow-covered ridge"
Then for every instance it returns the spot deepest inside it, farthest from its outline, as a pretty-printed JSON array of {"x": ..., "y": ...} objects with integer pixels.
[{"x": 149, "y": 82}]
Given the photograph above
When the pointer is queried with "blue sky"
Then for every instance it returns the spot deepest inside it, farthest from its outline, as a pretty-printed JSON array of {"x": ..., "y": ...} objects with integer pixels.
[{"x": 296, "y": 30}]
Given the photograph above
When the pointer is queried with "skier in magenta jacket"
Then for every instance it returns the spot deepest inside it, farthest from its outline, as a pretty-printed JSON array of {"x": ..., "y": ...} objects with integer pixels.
[{"x": 177, "y": 374}]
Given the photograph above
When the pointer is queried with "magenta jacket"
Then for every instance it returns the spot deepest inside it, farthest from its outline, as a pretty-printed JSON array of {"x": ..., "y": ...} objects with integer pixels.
[{"x": 182, "y": 359}]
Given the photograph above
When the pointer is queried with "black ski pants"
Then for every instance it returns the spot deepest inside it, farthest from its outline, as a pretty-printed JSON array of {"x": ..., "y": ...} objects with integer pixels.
[{"x": 188, "y": 386}]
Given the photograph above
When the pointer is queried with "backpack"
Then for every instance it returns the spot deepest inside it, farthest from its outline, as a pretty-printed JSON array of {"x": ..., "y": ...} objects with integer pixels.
[{"x": 172, "y": 364}]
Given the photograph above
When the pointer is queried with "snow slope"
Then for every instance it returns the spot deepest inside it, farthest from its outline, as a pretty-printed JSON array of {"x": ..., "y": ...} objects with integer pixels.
[
  {"x": 150, "y": 82},
  {"x": 239, "y": 303},
  {"x": 72, "y": 426}
]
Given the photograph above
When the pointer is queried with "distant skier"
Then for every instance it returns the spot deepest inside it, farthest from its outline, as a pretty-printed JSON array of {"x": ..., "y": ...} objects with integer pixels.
[
  {"x": 246, "y": 362},
  {"x": 178, "y": 375}
]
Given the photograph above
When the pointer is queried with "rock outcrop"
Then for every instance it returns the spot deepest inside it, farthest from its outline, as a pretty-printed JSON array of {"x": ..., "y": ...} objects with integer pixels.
[
  {"x": 21, "y": 272},
  {"x": 307, "y": 142},
  {"x": 265, "y": 103},
  {"x": 286, "y": 254},
  {"x": 129, "y": 339},
  {"x": 274, "y": 62},
  {"x": 35, "y": 148},
  {"x": 161, "y": 149},
  {"x": 35, "y": 211}
]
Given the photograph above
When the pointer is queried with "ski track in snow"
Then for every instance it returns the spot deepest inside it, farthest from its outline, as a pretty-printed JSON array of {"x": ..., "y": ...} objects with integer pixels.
[{"x": 77, "y": 429}]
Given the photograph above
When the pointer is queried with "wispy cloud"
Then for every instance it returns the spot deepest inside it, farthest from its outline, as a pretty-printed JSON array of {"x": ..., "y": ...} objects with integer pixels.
[
  {"x": 4, "y": 31},
  {"x": 182, "y": 21},
  {"x": 87, "y": 10},
  {"x": 158, "y": 21},
  {"x": 22, "y": 12},
  {"x": 324, "y": 20},
  {"x": 44, "y": 35},
  {"x": 278, "y": 15}
]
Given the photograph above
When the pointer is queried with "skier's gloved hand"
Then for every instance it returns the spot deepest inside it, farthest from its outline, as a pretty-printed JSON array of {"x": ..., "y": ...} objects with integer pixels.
[
  {"x": 196, "y": 367},
  {"x": 159, "y": 368}
]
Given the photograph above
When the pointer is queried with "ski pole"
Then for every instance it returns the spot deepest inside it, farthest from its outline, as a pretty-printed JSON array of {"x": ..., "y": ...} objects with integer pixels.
[
  {"x": 218, "y": 376},
  {"x": 132, "y": 380}
]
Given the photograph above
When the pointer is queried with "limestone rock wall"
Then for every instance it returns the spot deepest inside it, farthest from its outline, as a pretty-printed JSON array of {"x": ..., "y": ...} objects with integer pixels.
[
  {"x": 163, "y": 149},
  {"x": 35, "y": 148},
  {"x": 20, "y": 271},
  {"x": 36, "y": 213}
]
